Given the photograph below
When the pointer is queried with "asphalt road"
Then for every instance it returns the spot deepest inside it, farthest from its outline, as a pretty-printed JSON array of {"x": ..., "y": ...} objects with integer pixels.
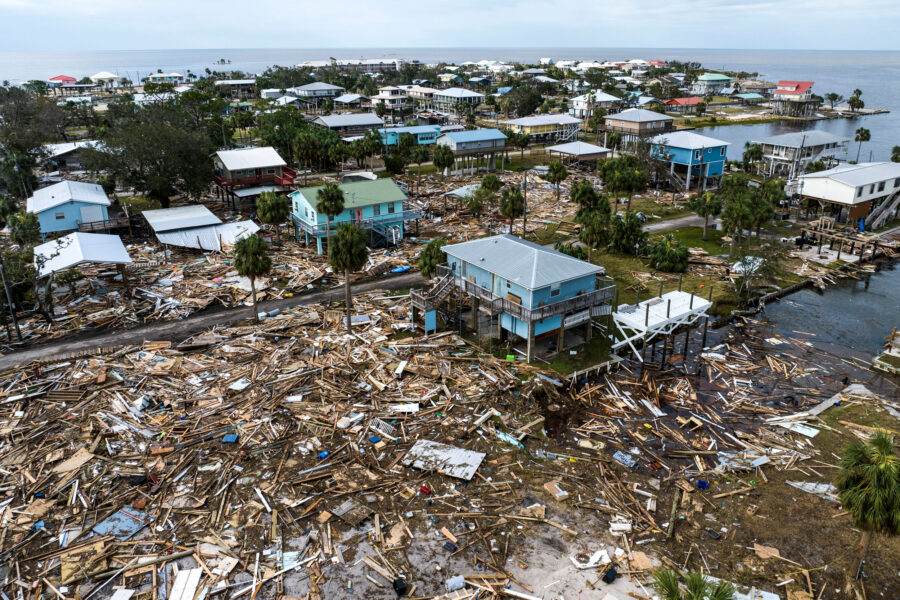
[
  {"x": 686, "y": 221},
  {"x": 179, "y": 330}
]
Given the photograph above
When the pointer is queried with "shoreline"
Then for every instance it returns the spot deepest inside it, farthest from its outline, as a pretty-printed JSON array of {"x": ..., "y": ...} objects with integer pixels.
[{"x": 705, "y": 123}]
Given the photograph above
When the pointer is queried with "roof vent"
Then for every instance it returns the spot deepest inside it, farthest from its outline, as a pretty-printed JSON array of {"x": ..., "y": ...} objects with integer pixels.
[{"x": 482, "y": 259}]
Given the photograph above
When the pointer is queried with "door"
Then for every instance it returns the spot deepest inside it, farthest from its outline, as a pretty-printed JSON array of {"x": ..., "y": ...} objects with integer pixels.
[
  {"x": 91, "y": 213},
  {"x": 496, "y": 285},
  {"x": 359, "y": 215}
]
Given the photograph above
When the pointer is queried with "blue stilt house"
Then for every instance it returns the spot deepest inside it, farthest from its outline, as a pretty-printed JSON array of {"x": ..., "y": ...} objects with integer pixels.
[
  {"x": 530, "y": 290},
  {"x": 693, "y": 159}
]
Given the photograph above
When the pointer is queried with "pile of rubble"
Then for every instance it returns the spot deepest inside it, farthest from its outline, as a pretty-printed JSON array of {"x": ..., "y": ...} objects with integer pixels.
[{"x": 293, "y": 458}]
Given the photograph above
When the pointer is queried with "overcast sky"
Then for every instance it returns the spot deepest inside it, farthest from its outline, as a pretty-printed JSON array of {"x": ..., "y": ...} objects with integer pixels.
[{"x": 59, "y": 25}]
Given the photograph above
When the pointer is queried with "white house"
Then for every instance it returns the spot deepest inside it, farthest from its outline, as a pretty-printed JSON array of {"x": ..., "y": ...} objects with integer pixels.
[
  {"x": 853, "y": 192},
  {"x": 583, "y": 106}
]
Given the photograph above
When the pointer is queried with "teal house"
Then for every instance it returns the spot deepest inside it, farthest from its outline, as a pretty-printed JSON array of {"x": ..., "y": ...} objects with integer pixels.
[
  {"x": 531, "y": 290},
  {"x": 423, "y": 134},
  {"x": 375, "y": 205}
]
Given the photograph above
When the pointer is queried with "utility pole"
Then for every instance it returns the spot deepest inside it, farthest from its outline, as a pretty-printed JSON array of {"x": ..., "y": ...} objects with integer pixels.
[{"x": 524, "y": 203}]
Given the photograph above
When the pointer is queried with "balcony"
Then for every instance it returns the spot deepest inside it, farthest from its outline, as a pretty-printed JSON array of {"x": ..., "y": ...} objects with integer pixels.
[
  {"x": 370, "y": 223},
  {"x": 499, "y": 305},
  {"x": 286, "y": 178}
]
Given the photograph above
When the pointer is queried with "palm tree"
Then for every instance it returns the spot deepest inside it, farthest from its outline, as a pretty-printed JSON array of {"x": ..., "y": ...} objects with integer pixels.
[
  {"x": 348, "y": 254},
  {"x": 251, "y": 260},
  {"x": 330, "y": 202},
  {"x": 522, "y": 141},
  {"x": 419, "y": 155},
  {"x": 556, "y": 174},
  {"x": 706, "y": 206},
  {"x": 862, "y": 135},
  {"x": 442, "y": 159},
  {"x": 273, "y": 209},
  {"x": 869, "y": 486},
  {"x": 594, "y": 227},
  {"x": 431, "y": 256},
  {"x": 512, "y": 204},
  {"x": 698, "y": 587}
]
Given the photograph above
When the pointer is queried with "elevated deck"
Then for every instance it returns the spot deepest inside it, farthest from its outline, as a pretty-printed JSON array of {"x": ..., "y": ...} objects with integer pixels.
[{"x": 656, "y": 317}]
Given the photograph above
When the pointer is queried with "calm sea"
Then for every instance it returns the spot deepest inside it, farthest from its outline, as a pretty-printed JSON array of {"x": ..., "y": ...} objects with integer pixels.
[{"x": 875, "y": 73}]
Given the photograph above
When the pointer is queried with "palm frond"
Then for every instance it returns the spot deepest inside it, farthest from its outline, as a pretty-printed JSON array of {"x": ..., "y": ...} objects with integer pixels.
[{"x": 667, "y": 583}]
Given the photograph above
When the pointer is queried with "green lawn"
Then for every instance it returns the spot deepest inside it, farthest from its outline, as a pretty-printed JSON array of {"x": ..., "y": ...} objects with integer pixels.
[{"x": 692, "y": 237}]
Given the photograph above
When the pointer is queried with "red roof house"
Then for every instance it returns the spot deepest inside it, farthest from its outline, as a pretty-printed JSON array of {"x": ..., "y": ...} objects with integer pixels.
[
  {"x": 63, "y": 79},
  {"x": 688, "y": 104},
  {"x": 793, "y": 90}
]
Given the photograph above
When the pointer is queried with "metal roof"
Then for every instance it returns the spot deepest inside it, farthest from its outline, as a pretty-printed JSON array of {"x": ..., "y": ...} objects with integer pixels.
[
  {"x": 250, "y": 158},
  {"x": 66, "y": 191},
  {"x": 861, "y": 174},
  {"x": 213, "y": 237},
  {"x": 359, "y": 193},
  {"x": 77, "y": 248},
  {"x": 443, "y": 458},
  {"x": 350, "y": 120},
  {"x": 316, "y": 86},
  {"x": 54, "y": 150},
  {"x": 687, "y": 139},
  {"x": 474, "y": 135},
  {"x": 180, "y": 217},
  {"x": 639, "y": 115},
  {"x": 347, "y": 98},
  {"x": 530, "y": 265},
  {"x": 236, "y": 82},
  {"x": 545, "y": 120},
  {"x": 456, "y": 92},
  {"x": 598, "y": 97},
  {"x": 412, "y": 129},
  {"x": 813, "y": 137},
  {"x": 578, "y": 149},
  {"x": 713, "y": 77}
]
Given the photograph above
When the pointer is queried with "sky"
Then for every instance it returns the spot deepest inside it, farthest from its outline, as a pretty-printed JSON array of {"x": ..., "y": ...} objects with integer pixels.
[{"x": 85, "y": 25}]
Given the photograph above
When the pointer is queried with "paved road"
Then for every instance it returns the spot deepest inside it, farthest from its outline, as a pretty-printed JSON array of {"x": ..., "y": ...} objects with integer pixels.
[
  {"x": 668, "y": 225},
  {"x": 179, "y": 330}
]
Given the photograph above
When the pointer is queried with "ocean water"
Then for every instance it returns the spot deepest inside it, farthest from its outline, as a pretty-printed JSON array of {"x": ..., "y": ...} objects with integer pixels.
[{"x": 876, "y": 73}]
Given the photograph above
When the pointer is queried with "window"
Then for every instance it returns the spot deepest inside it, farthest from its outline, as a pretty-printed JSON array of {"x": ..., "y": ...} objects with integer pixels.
[
  {"x": 881, "y": 186},
  {"x": 722, "y": 151},
  {"x": 698, "y": 154},
  {"x": 859, "y": 192},
  {"x": 391, "y": 208},
  {"x": 897, "y": 182},
  {"x": 270, "y": 171},
  {"x": 872, "y": 189},
  {"x": 59, "y": 215},
  {"x": 377, "y": 209},
  {"x": 508, "y": 284},
  {"x": 554, "y": 290}
]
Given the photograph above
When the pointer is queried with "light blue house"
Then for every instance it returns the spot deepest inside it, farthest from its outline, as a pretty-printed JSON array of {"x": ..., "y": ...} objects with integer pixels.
[
  {"x": 66, "y": 205},
  {"x": 693, "y": 158},
  {"x": 532, "y": 291},
  {"x": 423, "y": 134},
  {"x": 375, "y": 205}
]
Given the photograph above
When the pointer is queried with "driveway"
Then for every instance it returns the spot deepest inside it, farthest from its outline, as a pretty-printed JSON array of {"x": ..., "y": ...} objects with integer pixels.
[{"x": 677, "y": 223}]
